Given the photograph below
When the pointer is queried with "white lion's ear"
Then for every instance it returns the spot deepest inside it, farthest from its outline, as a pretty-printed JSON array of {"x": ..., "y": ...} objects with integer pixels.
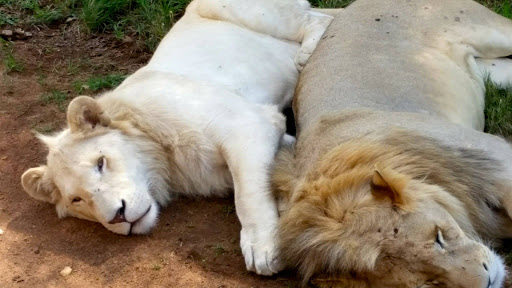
[
  {"x": 84, "y": 114},
  {"x": 37, "y": 184}
]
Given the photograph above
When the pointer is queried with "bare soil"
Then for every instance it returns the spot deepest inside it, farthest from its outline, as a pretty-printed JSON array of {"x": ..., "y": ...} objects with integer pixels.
[{"x": 196, "y": 243}]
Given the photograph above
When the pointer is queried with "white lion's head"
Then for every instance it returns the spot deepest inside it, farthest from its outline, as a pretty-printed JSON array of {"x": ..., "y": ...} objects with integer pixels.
[{"x": 97, "y": 172}]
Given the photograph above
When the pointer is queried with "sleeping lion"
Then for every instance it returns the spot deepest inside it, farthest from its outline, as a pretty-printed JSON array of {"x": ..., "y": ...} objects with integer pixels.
[
  {"x": 392, "y": 182},
  {"x": 201, "y": 118}
]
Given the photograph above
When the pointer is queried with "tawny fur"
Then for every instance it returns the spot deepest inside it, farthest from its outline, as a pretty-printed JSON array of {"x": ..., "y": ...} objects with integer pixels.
[
  {"x": 392, "y": 183},
  {"x": 331, "y": 220}
]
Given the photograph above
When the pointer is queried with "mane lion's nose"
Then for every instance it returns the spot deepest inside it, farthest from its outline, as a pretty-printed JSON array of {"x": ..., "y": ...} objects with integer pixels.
[{"x": 119, "y": 218}]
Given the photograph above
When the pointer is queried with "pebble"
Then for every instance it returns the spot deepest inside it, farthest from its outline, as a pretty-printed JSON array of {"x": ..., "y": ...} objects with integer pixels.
[
  {"x": 127, "y": 39},
  {"x": 66, "y": 271},
  {"x": 1, "y": 231},
  {"x": 4, "y": 158},
  {"x": 6, "y": 33}
]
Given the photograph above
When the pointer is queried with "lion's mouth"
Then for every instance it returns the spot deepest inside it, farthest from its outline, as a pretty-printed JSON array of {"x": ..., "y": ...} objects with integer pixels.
[{"x": 138, "y": 220}]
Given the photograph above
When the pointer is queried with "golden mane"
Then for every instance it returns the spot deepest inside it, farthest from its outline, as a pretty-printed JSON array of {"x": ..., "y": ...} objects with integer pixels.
[{"x": 314, "y": 229}]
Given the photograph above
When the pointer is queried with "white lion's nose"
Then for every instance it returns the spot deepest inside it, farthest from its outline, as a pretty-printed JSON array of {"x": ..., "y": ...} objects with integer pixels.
[{"x": 119, "y": 217}]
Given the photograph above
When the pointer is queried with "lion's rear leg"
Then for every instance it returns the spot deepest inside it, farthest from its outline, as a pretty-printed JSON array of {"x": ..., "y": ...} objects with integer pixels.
[
  {"x": 314, "y": 28},
  {"x": 291, "y": 20}
]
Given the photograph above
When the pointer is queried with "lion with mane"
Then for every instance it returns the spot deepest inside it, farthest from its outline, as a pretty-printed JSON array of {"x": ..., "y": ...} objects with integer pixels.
[{"x": 392, "y": 182}]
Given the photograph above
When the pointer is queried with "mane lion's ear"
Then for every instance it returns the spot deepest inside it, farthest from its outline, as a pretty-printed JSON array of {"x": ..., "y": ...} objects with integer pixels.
[
  {"x": 84, "y": 113},
  {"x": 389, "y": 183},
  {"x": 37, "y": 184}
]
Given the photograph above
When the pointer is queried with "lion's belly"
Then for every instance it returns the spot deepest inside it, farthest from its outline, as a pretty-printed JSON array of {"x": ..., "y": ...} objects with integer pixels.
[
  {"x": 256, "y": 66},
  {"x": 405, "y": 63}
]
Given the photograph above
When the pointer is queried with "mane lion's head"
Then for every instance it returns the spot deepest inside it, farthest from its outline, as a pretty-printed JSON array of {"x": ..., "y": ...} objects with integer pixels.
[{"x": 357, "y": 220}]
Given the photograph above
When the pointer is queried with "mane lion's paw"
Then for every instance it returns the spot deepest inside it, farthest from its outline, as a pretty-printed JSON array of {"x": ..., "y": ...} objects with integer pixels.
[{"x": 260, "y": 253}]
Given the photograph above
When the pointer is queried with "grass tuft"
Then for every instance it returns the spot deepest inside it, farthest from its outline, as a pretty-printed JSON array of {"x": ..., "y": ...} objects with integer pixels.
[
  {"x": 7, "y": 19},
  {"x": 219, "y": 250},
  {"x": 45, "y": 128},
  {"x": 498, "y": 110},
  {"x": 330, "y": 3},
  {"x": 228, "y": 209},
  {"x": 148, "y": 19},
  {"x": 99, "y": 83},
  {"x": 10, "y": 62},
  {"x": 504, "y": 8},
  {"x": 56, "y": 97},
  {"x": 100, "y": 15}
]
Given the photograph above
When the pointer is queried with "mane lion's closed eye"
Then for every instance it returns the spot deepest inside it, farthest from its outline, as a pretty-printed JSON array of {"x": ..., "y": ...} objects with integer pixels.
[{"x": 102, "y": 161}]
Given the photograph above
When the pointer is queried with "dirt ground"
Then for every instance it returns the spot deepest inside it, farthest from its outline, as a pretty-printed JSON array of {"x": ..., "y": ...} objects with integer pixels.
[{"x": 196, "y": 243}]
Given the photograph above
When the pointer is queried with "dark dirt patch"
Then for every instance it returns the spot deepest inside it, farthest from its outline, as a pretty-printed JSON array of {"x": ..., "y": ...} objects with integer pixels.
[{"x": 196, "y": 243}]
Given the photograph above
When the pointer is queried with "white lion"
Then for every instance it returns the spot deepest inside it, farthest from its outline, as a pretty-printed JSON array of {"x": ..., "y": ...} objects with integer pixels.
[{"x": 202, "y": 117}]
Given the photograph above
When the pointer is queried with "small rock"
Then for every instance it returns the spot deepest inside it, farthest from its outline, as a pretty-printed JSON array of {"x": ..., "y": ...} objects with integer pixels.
[
  {"x": 4, "y": 158},
  {"x": 127, "y": 39},
  {"x": 66, "y": 271},
  {"x": 28, "y": 34},
  {"x": 6, "y": 33},
  {"x": 1, "y": 231},
  {"x": 19, "y": 31}
]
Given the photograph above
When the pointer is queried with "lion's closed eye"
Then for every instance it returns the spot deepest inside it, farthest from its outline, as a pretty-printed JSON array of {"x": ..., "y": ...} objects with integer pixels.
[
  {"x": 439, "y": 239},
  {"x": 76, "y": 200},
  {"x": 101, "y": 164}
]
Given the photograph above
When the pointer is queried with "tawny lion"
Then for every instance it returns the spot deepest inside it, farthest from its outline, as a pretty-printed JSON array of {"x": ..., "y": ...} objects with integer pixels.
[{"x": 392, "y": 182}]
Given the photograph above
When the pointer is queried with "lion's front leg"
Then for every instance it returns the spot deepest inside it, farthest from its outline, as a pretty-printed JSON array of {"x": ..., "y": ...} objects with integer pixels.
[{"x": 250, "y": 153}]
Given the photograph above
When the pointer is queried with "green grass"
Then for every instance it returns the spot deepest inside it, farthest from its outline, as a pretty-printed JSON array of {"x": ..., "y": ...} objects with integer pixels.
[
  {"x": 99, "y": 83},
  {"x": 502, "y": 7},
  {"x": 330, "y": 3},
  {"x": 498, "y": 110},
  {"x": 156, "y": 267},
  {"x": 228, "y": 209},
  {"x": 10, "y": 62},
  {"x": 147, "y": 19},
  {"x": 7, "y": 19},
  {"x": 36, "y": 12},
  {"x": 56, "y": 97},
  {"x": 219, "y": 250},
  {"x": 44, "y": 128}
]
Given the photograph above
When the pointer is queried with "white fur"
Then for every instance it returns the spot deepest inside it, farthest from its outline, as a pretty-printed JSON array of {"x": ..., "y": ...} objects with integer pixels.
[
  {"x": 200, "y": 118},
  {"x": 498, "y": 70}
]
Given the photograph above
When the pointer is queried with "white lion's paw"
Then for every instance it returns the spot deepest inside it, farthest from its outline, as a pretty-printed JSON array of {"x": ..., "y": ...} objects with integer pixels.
[
  {"x": 260, "y": 253},
  {"x": 301, "y": 58},
  {"x": 287, "y": 140}
]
